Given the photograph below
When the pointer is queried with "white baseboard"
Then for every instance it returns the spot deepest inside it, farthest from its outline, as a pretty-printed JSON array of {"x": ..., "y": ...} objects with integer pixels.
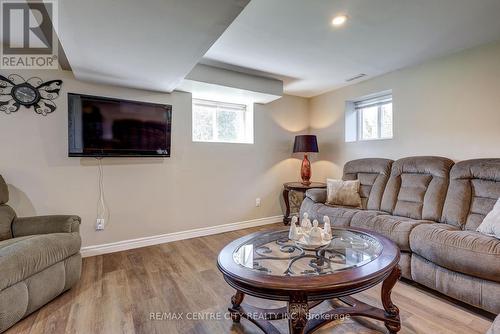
[{"x": 169, "y": 237}]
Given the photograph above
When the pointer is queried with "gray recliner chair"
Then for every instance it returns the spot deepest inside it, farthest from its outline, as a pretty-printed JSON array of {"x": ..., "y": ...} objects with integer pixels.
[{"x": 39, "y": 259}]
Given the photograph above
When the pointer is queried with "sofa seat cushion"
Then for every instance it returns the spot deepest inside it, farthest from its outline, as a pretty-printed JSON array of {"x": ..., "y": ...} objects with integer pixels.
[
  {"x": 23, "y": 257},
  {"x": 393, "y": 227},
  {"x": 339, "y": 216},
  {"x": 362, "y": 215},
  {"x": 467, "y": 252}
]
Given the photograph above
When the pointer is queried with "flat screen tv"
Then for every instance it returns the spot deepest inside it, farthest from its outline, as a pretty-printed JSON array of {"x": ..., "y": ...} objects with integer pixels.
[{"x": 106, "y": 127}]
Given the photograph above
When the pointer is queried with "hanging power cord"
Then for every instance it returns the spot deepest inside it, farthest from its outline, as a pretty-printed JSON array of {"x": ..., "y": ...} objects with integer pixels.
[{"x": 102, "y": 209}]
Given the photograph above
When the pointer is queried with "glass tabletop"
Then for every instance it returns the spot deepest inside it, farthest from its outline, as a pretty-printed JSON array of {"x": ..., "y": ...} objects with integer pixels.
[{"x": 272, "y": 253}]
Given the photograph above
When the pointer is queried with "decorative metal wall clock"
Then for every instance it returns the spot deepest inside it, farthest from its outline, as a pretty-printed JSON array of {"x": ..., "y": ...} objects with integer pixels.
[{"x": 16, "y": 92}]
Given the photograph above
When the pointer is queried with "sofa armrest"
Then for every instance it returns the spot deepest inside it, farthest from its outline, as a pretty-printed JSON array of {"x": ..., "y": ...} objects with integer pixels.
[
  {"x": 316, "y": 195},
  {"x": 45, "y": 224}
]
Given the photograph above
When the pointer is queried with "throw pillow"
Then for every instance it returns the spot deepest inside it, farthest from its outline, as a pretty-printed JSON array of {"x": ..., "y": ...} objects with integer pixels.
[
  {"x": 345, "y": 193},
  {"x": 491, "y": 223}
]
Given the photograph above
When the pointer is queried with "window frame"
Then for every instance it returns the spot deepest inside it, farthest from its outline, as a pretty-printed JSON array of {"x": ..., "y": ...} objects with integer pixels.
[
  {"x": 354, "y": 108},
  {"x": 247, "y": 114}
]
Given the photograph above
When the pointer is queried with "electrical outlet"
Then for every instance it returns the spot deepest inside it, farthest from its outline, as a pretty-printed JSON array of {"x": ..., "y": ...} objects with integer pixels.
[
  {"x": 99, "y": 225},
  {"x": 257, "y": 202}
]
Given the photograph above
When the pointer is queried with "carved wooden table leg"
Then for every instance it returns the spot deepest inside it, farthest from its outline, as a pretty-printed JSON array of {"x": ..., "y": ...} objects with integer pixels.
[
  {"x": 297, "y": 317},
  {"x": 236, "y": 300},
  {"x": 286, "y": 198},
  {"x": 392, "y": 322}
]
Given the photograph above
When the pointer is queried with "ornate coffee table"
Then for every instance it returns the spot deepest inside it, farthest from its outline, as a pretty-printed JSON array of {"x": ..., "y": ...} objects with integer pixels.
[{"x": 268, "y": 265}]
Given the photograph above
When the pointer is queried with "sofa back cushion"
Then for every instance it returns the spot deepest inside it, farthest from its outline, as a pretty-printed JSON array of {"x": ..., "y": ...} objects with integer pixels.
[
  {"x": 372, "y": 174},
  {"x": 474, "y": 190},
  {"x": 417, "y": 187}
]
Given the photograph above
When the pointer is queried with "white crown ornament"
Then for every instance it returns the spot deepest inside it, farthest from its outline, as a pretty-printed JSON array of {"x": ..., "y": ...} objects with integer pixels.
[
  {"x": 294, "y": 232},
  {"x": 327, "y": 228},
  {"x": 309, "y": 236},
  {"x": 306, "y": 223},
  {"x": 315, "y": 236}
]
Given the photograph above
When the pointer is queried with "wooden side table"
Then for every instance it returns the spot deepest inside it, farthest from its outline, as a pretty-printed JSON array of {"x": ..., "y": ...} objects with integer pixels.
[{"x": 296, "y": 186}]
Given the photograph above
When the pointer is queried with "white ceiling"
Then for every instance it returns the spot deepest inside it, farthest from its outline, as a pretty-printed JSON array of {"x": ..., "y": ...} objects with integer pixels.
[
  {"x": 148, "y": 44},
  {"x": 294, "y": 40},
  {"x": 214, "y": 83}
]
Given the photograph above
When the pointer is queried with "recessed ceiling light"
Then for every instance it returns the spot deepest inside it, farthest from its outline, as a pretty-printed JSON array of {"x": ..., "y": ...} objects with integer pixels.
[{"x": 339, "y": 20}]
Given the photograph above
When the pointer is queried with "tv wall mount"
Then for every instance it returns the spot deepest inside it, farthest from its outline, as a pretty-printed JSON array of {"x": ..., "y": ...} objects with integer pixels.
[{"x": 15, "y": 92}]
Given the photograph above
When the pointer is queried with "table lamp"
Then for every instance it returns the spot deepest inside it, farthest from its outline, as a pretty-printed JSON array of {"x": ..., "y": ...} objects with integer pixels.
[{"x": 305, "y": 144}]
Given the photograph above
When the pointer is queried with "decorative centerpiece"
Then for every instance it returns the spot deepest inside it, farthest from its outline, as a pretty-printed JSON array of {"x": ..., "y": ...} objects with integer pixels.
[{"x": 310, "y": 236}]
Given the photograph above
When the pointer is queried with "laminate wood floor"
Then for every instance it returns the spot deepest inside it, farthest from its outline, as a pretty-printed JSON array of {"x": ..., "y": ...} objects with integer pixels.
[{"x": 118, "y": 293}]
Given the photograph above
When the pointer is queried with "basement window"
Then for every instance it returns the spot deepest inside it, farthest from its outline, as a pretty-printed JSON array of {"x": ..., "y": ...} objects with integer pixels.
[
  {"x": 221, "y": 122},
  {"x": 369, "y": 118}
]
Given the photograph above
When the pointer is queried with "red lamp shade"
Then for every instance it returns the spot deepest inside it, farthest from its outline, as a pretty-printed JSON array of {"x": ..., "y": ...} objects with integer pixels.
[{"x": 305, "y": 144}]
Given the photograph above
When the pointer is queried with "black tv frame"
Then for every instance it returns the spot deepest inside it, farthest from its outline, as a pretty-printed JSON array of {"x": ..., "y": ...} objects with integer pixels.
[{"x": 134, "y": 153}]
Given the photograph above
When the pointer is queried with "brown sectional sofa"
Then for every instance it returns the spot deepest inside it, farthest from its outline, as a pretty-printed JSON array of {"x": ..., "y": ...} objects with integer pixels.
[{"x": 430, "y": 207}]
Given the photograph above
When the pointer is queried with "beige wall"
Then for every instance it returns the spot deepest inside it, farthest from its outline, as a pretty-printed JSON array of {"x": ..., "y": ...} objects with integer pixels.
[
  {"x": 202, "y": 184},
  {"x": 448, "y": 106}
]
